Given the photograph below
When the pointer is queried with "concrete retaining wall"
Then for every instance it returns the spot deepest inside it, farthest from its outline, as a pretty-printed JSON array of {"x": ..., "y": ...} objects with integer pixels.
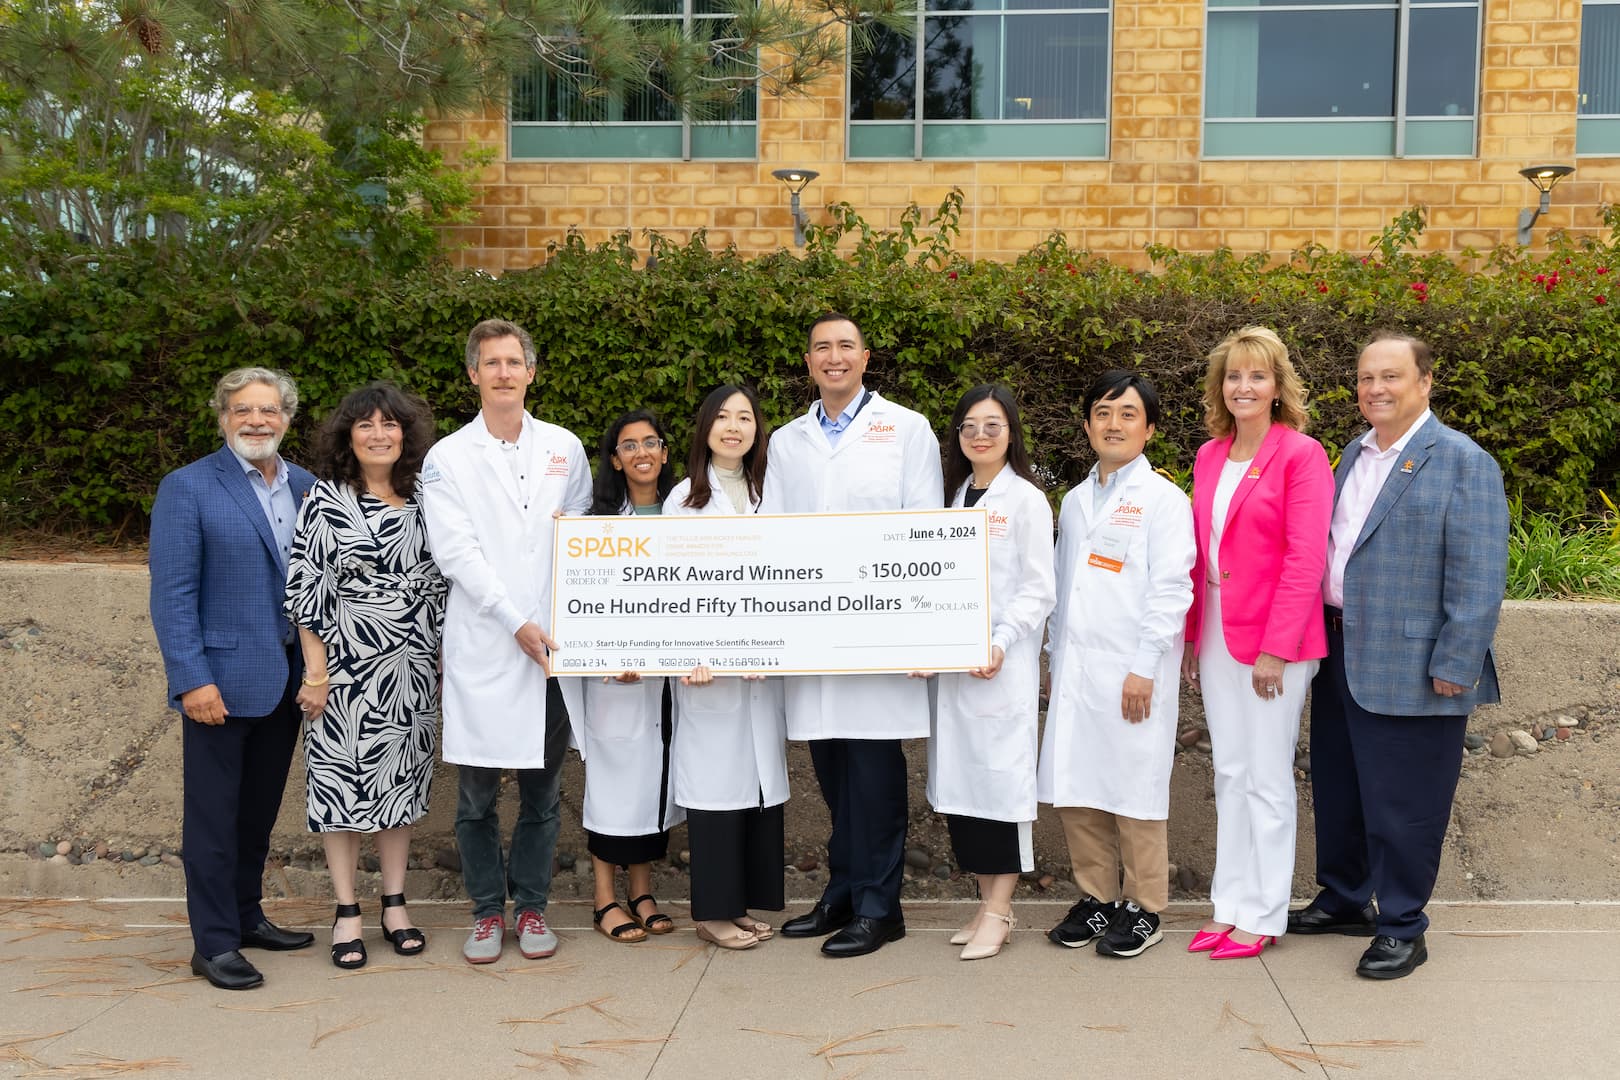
[{"x": 93, "y": 752}]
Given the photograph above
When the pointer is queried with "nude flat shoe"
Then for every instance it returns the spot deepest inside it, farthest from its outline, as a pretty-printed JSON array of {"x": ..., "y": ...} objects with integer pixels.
[{"x": 742, "y": 939}]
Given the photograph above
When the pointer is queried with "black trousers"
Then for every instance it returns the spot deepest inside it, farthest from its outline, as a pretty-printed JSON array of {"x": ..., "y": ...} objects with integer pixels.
[
  {"x": 864, "y": 783},
  {"x": 234, "y": 774},
  {"x": 736, "y": 861},
  {"x": 1383, "y": 787}
]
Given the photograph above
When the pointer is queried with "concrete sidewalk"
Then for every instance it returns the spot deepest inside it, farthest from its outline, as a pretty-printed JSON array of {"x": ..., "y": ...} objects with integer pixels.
[{"x": 1524, "y": 990}]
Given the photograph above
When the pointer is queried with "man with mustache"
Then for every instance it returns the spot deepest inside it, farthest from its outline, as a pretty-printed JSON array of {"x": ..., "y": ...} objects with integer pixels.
[{"x": 221, "y": 531}]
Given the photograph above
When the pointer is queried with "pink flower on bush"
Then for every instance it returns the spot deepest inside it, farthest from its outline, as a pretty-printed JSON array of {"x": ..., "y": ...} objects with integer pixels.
[
  {"x": 951, "y": 275},
  {"x": 1069, "y": 267},
  {"x": 1600, "y": 299},
  {"x": 1321, "y": 286},
  {"x": 1540, "y": 279},
  {"x": 1603, "y": 269}
]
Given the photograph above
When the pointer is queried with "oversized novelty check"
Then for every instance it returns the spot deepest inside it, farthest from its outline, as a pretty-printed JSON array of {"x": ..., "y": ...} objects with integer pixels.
[{"x": 791, "y": 594}]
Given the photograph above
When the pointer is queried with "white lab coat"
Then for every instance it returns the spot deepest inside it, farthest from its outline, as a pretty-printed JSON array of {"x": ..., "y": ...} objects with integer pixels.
[
  {"x": 730, "y": 749},
  {"x": 621, "y": 741},
  {"x": 1108, "y": 623},
  {"x": 491, "y": 535},
  {"x": 623, "y": 747},
  {"x": 981, "y": 760},
  {"x": 887, "y": 460}
]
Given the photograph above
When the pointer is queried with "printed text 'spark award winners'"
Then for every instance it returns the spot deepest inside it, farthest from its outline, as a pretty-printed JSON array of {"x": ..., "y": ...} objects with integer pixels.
[{"x": 793, "y": 594}]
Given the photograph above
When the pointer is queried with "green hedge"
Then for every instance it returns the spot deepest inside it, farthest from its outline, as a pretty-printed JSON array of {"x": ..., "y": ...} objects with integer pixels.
[{"x": 105, "y": 368}]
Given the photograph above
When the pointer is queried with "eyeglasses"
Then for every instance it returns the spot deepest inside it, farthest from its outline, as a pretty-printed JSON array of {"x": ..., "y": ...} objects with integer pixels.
[
  {"x": 652, "y": 444},
  {"x": 242, "y": 412},
  {"x": 990, "y": 430}
]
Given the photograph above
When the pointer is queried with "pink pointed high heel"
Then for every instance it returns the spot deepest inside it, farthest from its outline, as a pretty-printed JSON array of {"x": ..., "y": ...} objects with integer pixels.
[
  {"x": 1205, "y": 940},
  {"x": 1241, "y": 950}
]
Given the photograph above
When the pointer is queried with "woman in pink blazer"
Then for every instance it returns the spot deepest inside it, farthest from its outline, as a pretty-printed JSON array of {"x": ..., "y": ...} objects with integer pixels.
[{"x": 1262, "y": 502}]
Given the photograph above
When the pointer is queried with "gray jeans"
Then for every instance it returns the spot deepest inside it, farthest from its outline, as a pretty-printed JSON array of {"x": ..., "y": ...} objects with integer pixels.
[{"x": 523, "y": 873}]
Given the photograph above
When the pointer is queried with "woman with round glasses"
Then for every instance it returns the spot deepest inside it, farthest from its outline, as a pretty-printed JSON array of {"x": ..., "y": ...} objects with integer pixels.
[
  {"x": 981, "y": 759},
  {"x": 730, "y": 752},
  {"x": 629, "y": 807}
]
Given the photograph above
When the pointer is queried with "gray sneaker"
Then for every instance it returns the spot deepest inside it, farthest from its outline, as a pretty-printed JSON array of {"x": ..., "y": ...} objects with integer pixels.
[
  {"x": 535, "y": 939},
  {"x": 486, "y": 940}
]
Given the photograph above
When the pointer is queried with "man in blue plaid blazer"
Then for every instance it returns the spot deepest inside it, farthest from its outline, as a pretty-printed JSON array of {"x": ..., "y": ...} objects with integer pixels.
[
  {"x": 1417, "y": 564},
  {"x": 221, "y": 531}
]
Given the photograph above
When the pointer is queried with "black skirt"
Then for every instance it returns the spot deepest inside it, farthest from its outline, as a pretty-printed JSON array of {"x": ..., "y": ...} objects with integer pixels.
[{"x": 982, "y": 846}]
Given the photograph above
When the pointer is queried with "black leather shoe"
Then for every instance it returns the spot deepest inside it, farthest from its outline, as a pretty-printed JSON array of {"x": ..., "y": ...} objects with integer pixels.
[
  {"x": 267, "y": 935},
  {"x": 228, "y": 970},
  {"x": 817, "y": 922},
  {"x": 863, "y": 936},
  {"x": 1311, "y": 919},
  {"x": 1387, "y": 958}
]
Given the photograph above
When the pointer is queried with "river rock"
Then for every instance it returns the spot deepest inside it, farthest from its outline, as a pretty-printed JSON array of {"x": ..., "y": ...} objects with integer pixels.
[
  {"x": 1473, "y": 740},
  {"x": 1202, "y": 745},
  {"x": 918, "y": 859},
  {"x": 1523, "y": 744},
  {"x": 63, "y": 847},
  {"x": 806, "y": 864},
  {"x": 1567, "y": 721},
  {"x": 565, "y": 860},
  {"x": 1562, "y": 734},
  {"x": 1501, "y": 745},
  {"x": 448, "y": 858},
  {"x": 943, "y": 872},
  {"x": 149, "y": 860},
  {"x": 1188, "y": 737}
]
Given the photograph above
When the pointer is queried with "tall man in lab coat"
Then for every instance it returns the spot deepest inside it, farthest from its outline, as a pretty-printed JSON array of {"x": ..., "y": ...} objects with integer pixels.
[
  {"x": 855, "y": 451},
  {"x": 488, "y": 494},
  {"x": 1124, "y": 564}
]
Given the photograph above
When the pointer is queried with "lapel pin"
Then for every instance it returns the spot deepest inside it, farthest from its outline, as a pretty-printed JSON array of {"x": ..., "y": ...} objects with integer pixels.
[
  {"x": 1408, "y": 465},
  {"x": 1254, "y": 474}
]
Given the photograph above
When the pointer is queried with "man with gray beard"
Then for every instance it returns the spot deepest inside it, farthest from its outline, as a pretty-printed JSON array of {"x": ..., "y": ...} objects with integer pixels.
[{"x": 222, "y": 528}]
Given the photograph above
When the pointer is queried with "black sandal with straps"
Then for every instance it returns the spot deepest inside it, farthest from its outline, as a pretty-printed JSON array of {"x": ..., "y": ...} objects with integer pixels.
[
  {"x": 626, "y": 932},
  {"x": 657, "y": 922},
  {"x": 405, "y": 934},
  {"x": 340, "y": 949}
]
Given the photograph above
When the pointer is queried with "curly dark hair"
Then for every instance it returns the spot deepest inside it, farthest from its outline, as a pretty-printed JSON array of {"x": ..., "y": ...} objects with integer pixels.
[{"x": 334, "y": 450}]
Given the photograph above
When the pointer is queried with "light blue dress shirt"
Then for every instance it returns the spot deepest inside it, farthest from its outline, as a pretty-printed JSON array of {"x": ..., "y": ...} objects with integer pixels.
[
  {"x": 835, "y": 428},
  {"x": 276, "y": 498}
]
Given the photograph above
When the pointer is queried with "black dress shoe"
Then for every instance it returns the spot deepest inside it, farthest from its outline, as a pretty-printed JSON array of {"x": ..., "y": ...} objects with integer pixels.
[
  {"x": 267, "y": 935},
  {"x": 863, "y": 936},
  {"x": 1312, "y": 919},
  {"x": 228, "y": 970},
  {"x": 1389, "y": 958},
  {"x": 817, "y": 922}
]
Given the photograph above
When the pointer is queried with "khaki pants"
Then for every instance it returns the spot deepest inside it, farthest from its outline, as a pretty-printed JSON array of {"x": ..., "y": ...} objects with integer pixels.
[{"x": 1099, "y": 842}]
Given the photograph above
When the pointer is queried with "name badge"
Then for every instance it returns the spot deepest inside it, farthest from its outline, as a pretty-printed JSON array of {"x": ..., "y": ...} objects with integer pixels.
[
  {"x": 556, "y": 464},
  {"x": 1108, "y": 551}
]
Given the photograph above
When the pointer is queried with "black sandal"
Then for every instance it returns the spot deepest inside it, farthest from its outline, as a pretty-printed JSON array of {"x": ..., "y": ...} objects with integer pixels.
[
  {"x": 657, "y": 922},
  {"x": 340, "y": 949},
  {"x": 625, "y": 932},
  {"x": 404, "y": 934}
]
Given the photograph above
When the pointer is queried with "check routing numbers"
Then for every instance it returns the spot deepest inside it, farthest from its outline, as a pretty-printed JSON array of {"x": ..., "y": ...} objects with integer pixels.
[{"x": 790, "y": 594}]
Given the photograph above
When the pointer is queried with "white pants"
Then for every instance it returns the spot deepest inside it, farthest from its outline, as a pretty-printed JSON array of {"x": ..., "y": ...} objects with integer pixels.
[{"x": 1253, "y": 742}]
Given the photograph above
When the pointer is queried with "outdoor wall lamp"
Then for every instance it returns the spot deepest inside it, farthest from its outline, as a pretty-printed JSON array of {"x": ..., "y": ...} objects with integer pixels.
[
  {"x": 796, "y": 180},
  {"x": 1545, "y": 177}
]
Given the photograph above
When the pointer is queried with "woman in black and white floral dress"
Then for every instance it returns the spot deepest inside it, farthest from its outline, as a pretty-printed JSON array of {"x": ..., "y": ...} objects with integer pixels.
[{"x": 368, "y": 601}]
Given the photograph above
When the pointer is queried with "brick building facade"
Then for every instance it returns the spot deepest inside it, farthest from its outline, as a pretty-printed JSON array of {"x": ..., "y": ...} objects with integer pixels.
[{"x": 1186, "y": 143}]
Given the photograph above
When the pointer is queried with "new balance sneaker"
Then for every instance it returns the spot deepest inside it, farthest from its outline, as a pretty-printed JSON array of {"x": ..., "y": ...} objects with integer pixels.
[
  {"x": 1130, "y": 932},
  {"x": 535, "y": 939},
  {"x": 486, "y": 940},
  {"x": 1084, "y": 923}
]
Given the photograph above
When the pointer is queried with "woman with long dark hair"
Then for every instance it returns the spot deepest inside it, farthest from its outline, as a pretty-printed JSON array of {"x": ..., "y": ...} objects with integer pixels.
[
  {"x": 730, "y": 753},
  {"x": 629, "y": 808},
  {"x": 981, "y": 759},
  {"x": 368, "y": 602}
]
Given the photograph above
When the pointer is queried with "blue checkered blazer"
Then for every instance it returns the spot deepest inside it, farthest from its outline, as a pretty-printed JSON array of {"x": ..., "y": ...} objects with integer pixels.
[
  {"x": 1423, "y": 587},
  {"x": 218, "y": 586}
]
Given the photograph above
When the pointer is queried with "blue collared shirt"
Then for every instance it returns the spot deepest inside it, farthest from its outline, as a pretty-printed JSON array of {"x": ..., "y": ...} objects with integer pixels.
[
  {"x": 276, "y": 498},
  {"x": 834, "y": 429}
]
